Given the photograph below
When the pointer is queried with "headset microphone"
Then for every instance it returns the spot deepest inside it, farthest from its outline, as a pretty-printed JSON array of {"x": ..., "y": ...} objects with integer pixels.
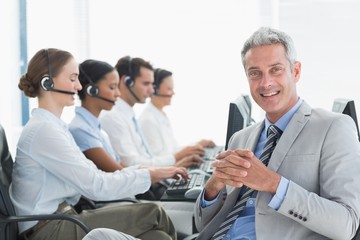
[
  {"x": 92, "y": 90},
  {"x": 105, "y": 99},
  {"x": 157, "y": 77},
  {"x": 163, "y": 95},
  {"x": 62, "y": 91},
  {"x": 47, "y": 82}
]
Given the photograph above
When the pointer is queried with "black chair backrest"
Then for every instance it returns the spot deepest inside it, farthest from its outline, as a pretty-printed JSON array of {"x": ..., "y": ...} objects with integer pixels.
[{"x": 7, "y": 230}]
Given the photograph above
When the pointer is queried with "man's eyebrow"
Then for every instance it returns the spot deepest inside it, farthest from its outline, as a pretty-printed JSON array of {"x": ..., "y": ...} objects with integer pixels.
[
  {"x": 275, "y": 64},
  {"x": 252, "y": 68}
]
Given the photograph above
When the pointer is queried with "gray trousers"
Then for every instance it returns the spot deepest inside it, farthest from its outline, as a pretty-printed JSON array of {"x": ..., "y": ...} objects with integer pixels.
[
  {"x": 107, "y": 234},
  {"x": 141, "y": 220}
]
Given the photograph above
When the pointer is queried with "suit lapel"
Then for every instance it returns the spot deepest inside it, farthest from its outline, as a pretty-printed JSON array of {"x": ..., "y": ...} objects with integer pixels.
[{"x": 291, "y": 132}]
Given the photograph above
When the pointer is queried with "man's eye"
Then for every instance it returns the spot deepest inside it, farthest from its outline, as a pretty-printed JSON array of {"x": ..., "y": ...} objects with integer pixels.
[
  {"x": 254, "y": 74},
  {"x": 277, "y": 69}
]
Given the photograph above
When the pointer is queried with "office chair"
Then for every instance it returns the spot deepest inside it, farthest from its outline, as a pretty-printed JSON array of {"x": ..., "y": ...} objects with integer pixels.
[
  {"x": 8, "y": 217},
  {"x": 357, "y": 235}
]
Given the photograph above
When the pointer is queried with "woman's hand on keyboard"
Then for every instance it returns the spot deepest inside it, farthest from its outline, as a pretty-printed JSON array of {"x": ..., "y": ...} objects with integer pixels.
[
  {"x": 189, "y": 161},
  {"x": 189, "y": 151},
  {"x": 207, "y": 143},
  {"x": 158, "y": 174}
]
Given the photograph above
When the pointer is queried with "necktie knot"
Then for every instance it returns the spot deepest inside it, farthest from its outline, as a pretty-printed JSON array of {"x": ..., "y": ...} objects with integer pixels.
[{"x": 273, "y": 129}]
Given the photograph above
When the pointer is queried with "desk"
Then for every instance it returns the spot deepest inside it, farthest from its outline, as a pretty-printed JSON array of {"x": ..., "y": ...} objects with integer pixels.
[{"x": 176, "y": 198}]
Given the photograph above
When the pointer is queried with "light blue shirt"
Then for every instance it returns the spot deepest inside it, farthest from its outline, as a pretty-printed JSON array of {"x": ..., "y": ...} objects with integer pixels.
[
  {"x": 244, "y": 227},
  {"x": 87, "y": 132},
  {"x": 50, "y": 168}
]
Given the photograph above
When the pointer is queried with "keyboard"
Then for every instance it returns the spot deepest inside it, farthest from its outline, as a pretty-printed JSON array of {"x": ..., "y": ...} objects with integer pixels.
[
  {"x": 179, "y": 187},
  {"x": 210, "y": 153},
  {"x": 205, "y": 166}
]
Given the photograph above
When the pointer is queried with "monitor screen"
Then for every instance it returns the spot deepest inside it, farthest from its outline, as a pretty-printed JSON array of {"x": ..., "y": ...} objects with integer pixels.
[
  {"x": 239, "y": 116},
  {"x": 347, "y": 107}
]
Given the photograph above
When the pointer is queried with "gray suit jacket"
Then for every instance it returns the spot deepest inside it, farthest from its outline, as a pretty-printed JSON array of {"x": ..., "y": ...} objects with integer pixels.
[{"x": 319, "y": 153}]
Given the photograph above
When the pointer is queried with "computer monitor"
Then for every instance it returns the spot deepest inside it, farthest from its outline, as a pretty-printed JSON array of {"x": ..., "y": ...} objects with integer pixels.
[
  {"x": 239, "y": 116},
  {"x": 347, "y": 107}
]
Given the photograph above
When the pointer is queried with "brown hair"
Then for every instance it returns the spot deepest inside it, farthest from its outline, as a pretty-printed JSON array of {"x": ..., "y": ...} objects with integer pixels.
[{"x": 38, "y": 67}]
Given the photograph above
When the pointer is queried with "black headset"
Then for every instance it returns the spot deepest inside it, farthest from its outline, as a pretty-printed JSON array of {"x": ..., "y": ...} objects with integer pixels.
[
  {"x": 46, "y": 82},
  {"x": 129, "y": 82},
  {"x": 91, "y": 88},
  {"x": 156, "y": 84}
]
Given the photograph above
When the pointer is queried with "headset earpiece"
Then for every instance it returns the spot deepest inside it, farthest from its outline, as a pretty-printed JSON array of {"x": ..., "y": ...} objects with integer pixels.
[
  {"x": 157, "y": 80},
  {"x": 129, "y": 81},
  {"x": 47, "y": 83},
  {"x": 92, "y": 90}
]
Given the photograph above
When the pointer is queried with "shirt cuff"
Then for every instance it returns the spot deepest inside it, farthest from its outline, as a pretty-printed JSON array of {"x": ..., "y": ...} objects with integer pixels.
[
  {"x": 206, "y": 203},
  {"x": 280, "y": 194}
]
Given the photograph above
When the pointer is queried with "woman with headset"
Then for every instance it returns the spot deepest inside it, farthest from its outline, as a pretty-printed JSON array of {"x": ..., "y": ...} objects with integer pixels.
[
  {"x": 51, "y": 173},
  {"x": 155, "y": 123}
]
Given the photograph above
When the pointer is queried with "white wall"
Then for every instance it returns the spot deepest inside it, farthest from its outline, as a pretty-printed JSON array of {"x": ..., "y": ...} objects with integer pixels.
[
  {"x": 10, "y": 98},
  {"x": 327, "y": 37}
]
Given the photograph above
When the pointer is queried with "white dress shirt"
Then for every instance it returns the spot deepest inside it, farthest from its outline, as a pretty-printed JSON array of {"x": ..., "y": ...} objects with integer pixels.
[
  {"x": 158, "y": 131},
  {"x": 50, "y": 168},
  {"x": 125, "y": 139}
]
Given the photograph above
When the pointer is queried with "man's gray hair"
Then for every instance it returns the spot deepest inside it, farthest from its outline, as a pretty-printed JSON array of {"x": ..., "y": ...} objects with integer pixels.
[{"x": 269, "y": 36}]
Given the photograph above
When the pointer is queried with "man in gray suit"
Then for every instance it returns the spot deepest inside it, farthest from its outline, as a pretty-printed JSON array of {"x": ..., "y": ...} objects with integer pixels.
[{"x": 310, "y": 188}]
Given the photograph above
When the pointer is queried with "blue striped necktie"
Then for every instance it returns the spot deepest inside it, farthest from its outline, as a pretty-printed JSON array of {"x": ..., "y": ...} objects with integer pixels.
[{"x": 273, "y": 135}]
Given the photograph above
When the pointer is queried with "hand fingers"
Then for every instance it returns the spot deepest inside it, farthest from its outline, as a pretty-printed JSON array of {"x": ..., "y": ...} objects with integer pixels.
[
  {"x": 232, "y": 162},
  {"x": 231, "y": 172},
  {"x": 181, "y": 172},
  {"x": 210, "y": 143},
  {"x": 200, "y": 151},
  {"x": 234, "y": 181},
  {"x": 225, "y": 154},
  {"x": 244, "y": 153},
  {"x": 197, "y": 159}
]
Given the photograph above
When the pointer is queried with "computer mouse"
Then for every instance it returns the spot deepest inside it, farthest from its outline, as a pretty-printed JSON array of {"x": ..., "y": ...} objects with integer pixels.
[
  {"x": 199, "y": 171},
  {"x": 193, "y": 193}
]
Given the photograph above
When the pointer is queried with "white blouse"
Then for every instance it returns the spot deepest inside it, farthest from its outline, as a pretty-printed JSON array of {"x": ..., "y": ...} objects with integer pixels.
[{"x": 158, "y": 131}]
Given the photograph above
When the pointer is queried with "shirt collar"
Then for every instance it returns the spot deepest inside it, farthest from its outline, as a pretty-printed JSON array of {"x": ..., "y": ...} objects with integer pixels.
[
  {"x": 43, "y": 113},
  {"x": 88, "y": 117},
  {"x": 285, "y": 119},
  {"x": 125, "y": 108}
]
